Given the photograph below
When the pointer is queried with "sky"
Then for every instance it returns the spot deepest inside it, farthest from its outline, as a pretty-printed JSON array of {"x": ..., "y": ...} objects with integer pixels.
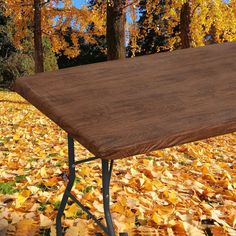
[{"x": 78, "y": 3}]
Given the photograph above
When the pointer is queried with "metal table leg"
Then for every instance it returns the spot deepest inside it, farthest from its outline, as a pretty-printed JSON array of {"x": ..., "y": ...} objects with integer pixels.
[
  {"x": 69, "y": 186},
  {"x": 106, "y": 176}
]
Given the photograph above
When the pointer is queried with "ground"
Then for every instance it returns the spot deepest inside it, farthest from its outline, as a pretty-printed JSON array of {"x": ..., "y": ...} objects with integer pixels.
[{"x": 184, "y": 190}]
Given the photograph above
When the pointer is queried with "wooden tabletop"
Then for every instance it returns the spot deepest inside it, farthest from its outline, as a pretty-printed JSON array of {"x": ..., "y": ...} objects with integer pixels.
[{"x": 122, "y": 108}]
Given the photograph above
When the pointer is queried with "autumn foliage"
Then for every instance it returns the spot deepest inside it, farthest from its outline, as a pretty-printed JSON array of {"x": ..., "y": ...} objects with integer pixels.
[
  {"x": 169, "y": 25},
  {"x": 189, "y": 23},
  {"x": 56, "y": 20}
]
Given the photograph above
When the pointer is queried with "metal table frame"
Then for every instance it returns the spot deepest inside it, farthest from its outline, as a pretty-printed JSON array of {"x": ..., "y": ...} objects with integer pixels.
[{"x": 106, "y": 176}]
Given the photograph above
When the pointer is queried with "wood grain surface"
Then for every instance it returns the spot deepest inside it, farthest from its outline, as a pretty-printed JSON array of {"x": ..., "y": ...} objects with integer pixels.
[{"x": 122, "y": 108}]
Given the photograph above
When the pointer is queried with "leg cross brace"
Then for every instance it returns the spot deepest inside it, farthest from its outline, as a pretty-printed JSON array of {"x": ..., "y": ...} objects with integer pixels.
[{"x": 106, "y": 176}]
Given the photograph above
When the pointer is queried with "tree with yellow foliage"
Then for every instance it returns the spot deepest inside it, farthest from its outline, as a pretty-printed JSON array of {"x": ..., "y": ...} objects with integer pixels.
[
  {"x": 186, "y": 23},
  {"x": 51, "y": 19}
]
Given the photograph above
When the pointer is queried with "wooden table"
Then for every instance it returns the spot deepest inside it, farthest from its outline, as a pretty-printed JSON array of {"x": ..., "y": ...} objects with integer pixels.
[{"x": 122, "y": 108}]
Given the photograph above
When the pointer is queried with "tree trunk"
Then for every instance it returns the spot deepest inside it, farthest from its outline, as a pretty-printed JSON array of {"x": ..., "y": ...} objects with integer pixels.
[
  {"x": 38, "y": 46},
  {"x": 115, "y": 29},
  {"x": 213, "y": 32},
  {"x": 185, "y": 20}
]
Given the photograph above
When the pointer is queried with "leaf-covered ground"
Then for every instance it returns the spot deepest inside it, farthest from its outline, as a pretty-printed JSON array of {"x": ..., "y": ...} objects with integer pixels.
[{"x": 184, "y": 190}]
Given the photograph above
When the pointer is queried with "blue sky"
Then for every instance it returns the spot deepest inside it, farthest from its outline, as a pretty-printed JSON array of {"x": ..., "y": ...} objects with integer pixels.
[{"x": 78, "y": 3}]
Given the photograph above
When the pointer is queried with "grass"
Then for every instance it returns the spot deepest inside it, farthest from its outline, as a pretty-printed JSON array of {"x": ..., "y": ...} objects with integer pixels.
[{"x": 8, "y": 188}]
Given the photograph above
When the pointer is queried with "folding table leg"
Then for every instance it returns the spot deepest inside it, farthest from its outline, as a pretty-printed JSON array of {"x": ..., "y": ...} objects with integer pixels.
[
  {"x": 68, "y": 187},
  {"x": 106, "y": 176}
]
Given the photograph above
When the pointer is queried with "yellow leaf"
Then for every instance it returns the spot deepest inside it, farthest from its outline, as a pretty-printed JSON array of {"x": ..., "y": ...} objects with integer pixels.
[
  {"x": 13, "y": 165},
  {"x": 88, "y": 196},
  {"x": 172, "y": 12},
  {"x": 156, "y": 218},
  {"x": 165, "y": 210},
  {"x": 51, "y": 182},
  {"x": 205, "y": 170},
  {"x": 157, "y": 183},
  {"x": 43, "y": 172},
  {"x": 16, "y": 137},
  {"x": 122, "y": 200},
  {"x": 117, "y": 207},
  {"x": 171, "y": 196},
  {"x": 84, "y": 171},
  {"x": 148, "y": 186},
  {"x": 49, "y": 209},
  {"x": 62, "y": 153},
  {"x": 72, "y": 210},
  {"x": 158, "y": 153},
  {"x": 22, "y": 197}
]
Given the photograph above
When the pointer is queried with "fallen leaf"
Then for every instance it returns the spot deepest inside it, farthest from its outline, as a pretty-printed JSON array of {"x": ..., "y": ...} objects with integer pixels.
[
  {"x": 72, "y": 210},
  {"x": 21, "y": 198},
  {"x": 45, "y": 221}
]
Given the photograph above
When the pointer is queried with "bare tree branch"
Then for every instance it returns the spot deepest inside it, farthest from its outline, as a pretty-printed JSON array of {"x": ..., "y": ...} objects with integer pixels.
[{"x": 130, "y": 4}]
